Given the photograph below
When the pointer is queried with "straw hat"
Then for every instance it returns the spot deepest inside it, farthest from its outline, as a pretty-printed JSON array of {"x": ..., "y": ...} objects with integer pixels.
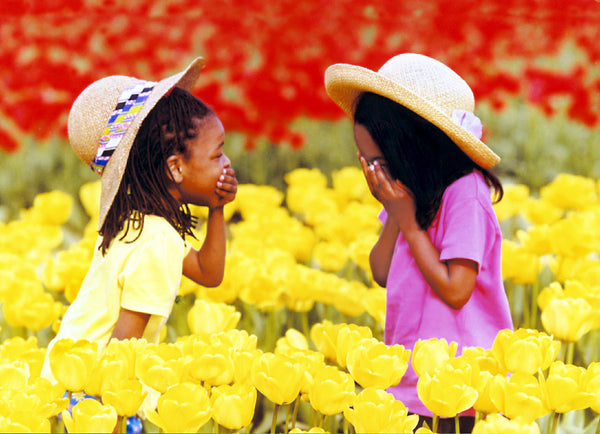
[
  {"x": 423, "y": 85},
  {"x": 93, "y": 118}
]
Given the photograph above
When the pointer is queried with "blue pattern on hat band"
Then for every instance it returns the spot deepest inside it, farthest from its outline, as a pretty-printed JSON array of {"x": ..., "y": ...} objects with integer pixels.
[{"x": 128, "y": 106}]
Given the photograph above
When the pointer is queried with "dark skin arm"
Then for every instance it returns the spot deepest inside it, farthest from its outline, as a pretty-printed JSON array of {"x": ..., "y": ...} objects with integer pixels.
[
  {"x": 206, "y": 266},
  {"x": 453, "y": 280},
  {"x": 130, "y": 324}
]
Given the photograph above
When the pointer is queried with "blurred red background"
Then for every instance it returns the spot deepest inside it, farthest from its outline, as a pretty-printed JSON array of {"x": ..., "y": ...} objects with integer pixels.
[{"x": 265, "y": 59}]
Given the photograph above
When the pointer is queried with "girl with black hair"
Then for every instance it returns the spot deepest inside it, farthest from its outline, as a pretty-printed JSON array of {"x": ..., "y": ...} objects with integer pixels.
[
  {"x": 439, "y": 251},
  {"x": 158, "y": 149}
]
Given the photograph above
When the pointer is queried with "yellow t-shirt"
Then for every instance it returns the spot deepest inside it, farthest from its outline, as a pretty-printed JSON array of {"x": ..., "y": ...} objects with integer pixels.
[{"x": 142, "y": 276}]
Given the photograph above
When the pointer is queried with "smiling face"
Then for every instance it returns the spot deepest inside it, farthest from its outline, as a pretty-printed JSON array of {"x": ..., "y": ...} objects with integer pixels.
[{"x": 198, "y": 174}]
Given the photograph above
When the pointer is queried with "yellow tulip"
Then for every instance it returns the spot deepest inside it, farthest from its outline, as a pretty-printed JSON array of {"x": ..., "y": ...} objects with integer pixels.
[
  {"x": 24, "y": 420},
  {"x": 515, "y": 198},
  {"x": 535, "y": 240},
  {"x": 117, "y": 364},
  {"x": 569, "y": 319},
  {"x": 45, "y": 398},
  {"x": 330, "y": 255},
  {"x": 184, "y": 408},
  {"x": 549, "y": 293},
  {"x": 560, "y": 192},
  {"x": 359, "y": 251},
  {"x": 253, "y": 199},
  {"x": 242, "y": 364},
  {"x": 348, "y": 293},
  {"x": 159, "y": 366},
  {"x": 205, "y": 318},
  {"x": 430, "y": 354},
  {"x": 524, "y": 350},
  {"x": 486, "y": 367},
  {"x": 521, "y": 395},
  {"x": 53, "y": 207},
  {"x": 347, "y": 337},
  {"x": 89, "y": 195},
  {"x": 211, "y": 364},
  {"x": 314, "y": 430},
  {"x": 14, "y": 375},
  {"x": 332, "y": 390},
  {"x": 375, "y": 364},
  {"x": 72, "y": 362},
  {"x": 233, "y": 405},
  {"x": 237, "y": 340},
  {"x": 498, "y": 424},
  {"x": 18, "y": 349},
  {"x": 89, "y": 416},
  {"x": 324, "y": 336},
  {"x": 565, "y": 388},
  {"x": 125, "y": 396},
  {"x": 576, "y": 235},
  {"x": 377, "y": 411},
  {"x": 277, "y": 377},
  {"x": 542, "y": 212},
  {"x": 349, "y": 184},
  {"x": 291, "y": 341},
  {"x": 591, "y": 384},
  {"x": 8, "y": 425},
  {"x": 374, "y": 304},
  {"x": 518, "y": 264},
  {"x": 448, "y": 390}
]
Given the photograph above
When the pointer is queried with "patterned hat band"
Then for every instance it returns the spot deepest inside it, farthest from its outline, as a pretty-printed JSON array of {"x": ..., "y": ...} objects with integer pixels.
[{"x": 129, "y": 104}]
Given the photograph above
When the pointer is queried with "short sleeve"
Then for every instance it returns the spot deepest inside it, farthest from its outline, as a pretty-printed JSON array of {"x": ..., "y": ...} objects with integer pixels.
[
  {"x": 152, "y": 275},
  {"x": 466, "y": 231}
]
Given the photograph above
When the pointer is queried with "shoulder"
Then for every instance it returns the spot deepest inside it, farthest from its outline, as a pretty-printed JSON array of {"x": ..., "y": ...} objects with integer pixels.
[
  {"x": 470, "y": 198},
  {"x": 469, "y": 187},
  {"x": 156, "y": 230}
]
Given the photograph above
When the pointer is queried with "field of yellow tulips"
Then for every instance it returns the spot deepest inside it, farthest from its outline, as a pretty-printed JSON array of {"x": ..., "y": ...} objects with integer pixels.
[{"x": 291, "y": 341}]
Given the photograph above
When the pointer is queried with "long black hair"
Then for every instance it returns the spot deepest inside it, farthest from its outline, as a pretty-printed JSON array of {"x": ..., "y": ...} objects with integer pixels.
[
  {"x": 165, "y": 131},
  {"x": 418, "y": 153}
]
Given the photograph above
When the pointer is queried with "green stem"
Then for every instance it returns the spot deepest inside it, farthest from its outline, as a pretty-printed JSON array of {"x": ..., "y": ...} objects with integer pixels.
[
  {"x": 345, "y": 425},
  {"x": 555, "y": 417},
  {"x": 535, "y": 290},
  {"x": 456, "y": 424},
  {"x": 569, "y": 353},
  {"x": 598, "y": 427},
  {"x": 295, "y": 414},
  {"x": 305, "y": 328},
  {"x": 123, "y": 428},
  {"x": 526, "y": 319},
  {"x": 434, "y": 422},
  {"x": 287, "y": 419},
  {"x": 274, "y": 420},
  {"x": 478, "y": 416}
]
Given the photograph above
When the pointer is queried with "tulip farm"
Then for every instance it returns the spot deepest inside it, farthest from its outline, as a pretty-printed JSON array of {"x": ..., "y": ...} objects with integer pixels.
[{"x": 292, "y": 339}]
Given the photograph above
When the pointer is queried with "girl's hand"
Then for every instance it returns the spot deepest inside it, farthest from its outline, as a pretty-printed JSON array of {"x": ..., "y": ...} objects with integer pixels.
[
  {"x": 226, "y": 187},
  {"x": 395, "y": 197}
]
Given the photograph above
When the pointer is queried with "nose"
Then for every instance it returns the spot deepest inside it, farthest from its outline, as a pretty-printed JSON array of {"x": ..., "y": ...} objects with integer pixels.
[{"x": 226, "y": 161}]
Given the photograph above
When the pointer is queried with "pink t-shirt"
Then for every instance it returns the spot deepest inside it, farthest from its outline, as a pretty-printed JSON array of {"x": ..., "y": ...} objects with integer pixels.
[{"x": 465, "y": 227}]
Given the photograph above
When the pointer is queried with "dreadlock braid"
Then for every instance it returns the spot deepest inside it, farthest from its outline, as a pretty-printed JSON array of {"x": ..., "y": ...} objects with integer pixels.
[{"x": 144, "y": 187}]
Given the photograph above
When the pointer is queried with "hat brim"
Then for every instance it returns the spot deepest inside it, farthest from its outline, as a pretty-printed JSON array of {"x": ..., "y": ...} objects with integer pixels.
[
  {"x": 115, "y": 168},
  {"x": 344, "y": 84}
]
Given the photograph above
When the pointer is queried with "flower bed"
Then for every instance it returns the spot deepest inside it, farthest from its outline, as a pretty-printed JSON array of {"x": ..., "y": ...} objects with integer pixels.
[{"x": 297, "y": 323}]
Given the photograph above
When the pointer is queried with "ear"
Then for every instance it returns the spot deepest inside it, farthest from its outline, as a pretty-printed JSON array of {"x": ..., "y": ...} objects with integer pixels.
[{"x": 174, "y": 165}]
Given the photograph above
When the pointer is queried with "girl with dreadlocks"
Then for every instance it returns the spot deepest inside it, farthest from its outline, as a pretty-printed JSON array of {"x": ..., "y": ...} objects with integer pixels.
[{"x": 157, "y": 148}]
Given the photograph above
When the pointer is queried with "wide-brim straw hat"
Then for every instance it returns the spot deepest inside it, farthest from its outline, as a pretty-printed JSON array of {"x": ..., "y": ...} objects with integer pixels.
[
  {"x": 422, "y": 84},
  {"x": 90, "y": 114}
]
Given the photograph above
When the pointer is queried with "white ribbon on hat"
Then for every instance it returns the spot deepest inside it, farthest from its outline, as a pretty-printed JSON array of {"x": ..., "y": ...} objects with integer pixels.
[{"x": 468, "y": 121}]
